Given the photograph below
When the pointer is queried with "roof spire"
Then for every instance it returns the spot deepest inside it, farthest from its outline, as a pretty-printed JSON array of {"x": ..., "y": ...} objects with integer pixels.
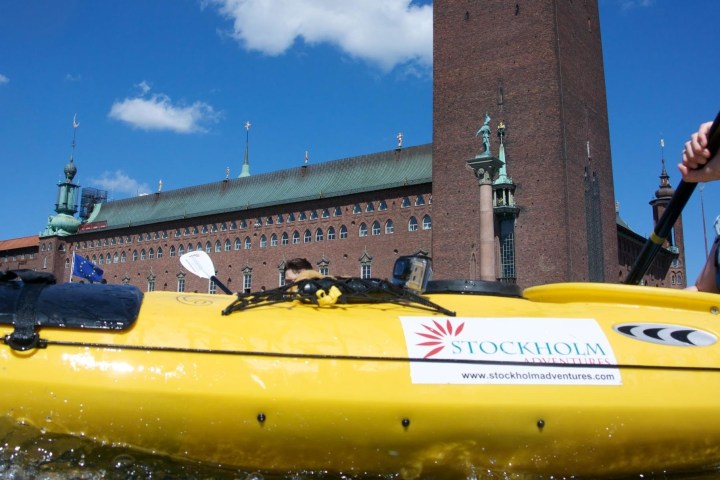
[
  {"x": 245, "y": 172},
  {"x": 665, "y": 189},
  {"x": 70, "y": 168}
]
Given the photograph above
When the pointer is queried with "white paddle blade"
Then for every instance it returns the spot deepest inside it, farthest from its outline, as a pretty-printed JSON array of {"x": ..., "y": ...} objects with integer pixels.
[{"x": 199, "y": 263}]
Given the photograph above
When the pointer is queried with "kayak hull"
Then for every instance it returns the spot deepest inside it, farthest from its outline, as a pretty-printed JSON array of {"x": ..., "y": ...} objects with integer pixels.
[{"x": 296, "y": 387}]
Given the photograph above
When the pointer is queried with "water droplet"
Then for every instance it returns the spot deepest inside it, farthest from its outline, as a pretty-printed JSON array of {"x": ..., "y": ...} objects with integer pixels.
[{"x": 123, "y": 460}]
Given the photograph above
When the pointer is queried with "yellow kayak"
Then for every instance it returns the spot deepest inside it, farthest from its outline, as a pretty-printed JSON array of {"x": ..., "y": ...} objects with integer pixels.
[{"x": 566, "y": 379}]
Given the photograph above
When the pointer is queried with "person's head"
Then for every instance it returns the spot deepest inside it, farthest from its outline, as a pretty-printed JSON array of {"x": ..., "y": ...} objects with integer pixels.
[{"x": 294, "y": 267}]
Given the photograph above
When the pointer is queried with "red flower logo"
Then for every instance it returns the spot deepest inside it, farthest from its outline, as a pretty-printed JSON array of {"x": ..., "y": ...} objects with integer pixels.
[{"x": 437, "y": 334}]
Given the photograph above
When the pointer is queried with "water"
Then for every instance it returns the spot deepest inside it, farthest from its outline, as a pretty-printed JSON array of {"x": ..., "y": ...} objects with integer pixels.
[{"x": 29, "y": 454}]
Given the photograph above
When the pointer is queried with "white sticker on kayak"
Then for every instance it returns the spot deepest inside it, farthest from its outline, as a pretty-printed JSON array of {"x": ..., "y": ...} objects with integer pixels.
[{"x": 520, "y": 351}]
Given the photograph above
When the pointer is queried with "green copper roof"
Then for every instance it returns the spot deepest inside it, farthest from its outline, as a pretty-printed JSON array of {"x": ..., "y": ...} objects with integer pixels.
[{"x": 378, "y": 171}]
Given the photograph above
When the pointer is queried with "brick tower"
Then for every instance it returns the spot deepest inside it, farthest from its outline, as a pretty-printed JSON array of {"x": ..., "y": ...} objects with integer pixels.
[{"x": 536, "y": 68}]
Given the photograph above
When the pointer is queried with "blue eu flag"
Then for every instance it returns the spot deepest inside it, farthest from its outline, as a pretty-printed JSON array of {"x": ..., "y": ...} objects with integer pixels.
[{"x": 86, "y": 269}]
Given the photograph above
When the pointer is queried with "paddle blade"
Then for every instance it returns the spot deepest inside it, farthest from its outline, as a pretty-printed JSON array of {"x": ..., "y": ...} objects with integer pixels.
[{"x": 199, "y": 263}]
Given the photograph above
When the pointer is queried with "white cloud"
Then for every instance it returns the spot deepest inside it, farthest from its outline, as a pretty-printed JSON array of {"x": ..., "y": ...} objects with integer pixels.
[
  {"x": 118, "y": 182},
  {"x": 4, "y": 79},
  {"x": 631, "y": 4},
  {"x": 387, "y": 33},
  {"x": 157, "y": 112}
]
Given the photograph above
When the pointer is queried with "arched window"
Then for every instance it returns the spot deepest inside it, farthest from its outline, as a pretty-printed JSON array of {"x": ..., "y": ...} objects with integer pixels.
[
  {"x": 218, "y": 246},
  {"x": 427, "y": 222},
  {"x": 313, "y": 215},
  {"x": 370, "y": 207},
  {"x": 151, "y": 254},
  {"x": 302, "y": 217},
  {"x": 191, "y": 248},
  {"x": 376, "y": 228},
  {"x": 420, "y": 200},
  {"x": 362, "y": 231},
  {"x": 296, "y": 237},
  {"x": 123, "y": 257},
  {"x": 208, "y": 247},
  {"x": 172, "y": 250},
  {"x": 248, "y": 243},
  {"x": 325, "y": 213},
  {"x": 143, "y": 254},
  {"x": 389, "y": 227},
  {"x": 319, "y": 235},
  {"x": 383, "y": 205},
  {"x": 101, "y": 261},
  {"x": 412, "y": 224},
  {"x": 357, "y": 209},
  {"x": 285, "y": 240},
  {"x": 238, "y": 243},
  {"x": 108, "y": 259},
  {"x": 228, "y": 245},
  {"x": 343, "y": 231},
  {"x": 331, "y": 233},
  {"x": 159, "y": 252},
  {"x": 181, "y": 251},
  {"x": 263, "y": 241},
  {"x": 405, "y": 202},
  {"x": 307, "y": 237},
  {"x": 273, "y": 240},
  {"x": 134, "y": 256}
]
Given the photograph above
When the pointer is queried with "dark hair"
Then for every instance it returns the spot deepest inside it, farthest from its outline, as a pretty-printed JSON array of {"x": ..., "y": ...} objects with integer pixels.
[{"x": 298, "y": 264}]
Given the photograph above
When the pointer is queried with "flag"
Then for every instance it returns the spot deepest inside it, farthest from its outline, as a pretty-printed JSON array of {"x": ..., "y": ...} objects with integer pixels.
[{"x": 82, "y": 267}]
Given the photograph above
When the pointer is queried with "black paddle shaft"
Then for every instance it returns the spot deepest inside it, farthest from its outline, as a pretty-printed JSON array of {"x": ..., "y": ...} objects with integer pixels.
[{"x": 669, "y": 216}]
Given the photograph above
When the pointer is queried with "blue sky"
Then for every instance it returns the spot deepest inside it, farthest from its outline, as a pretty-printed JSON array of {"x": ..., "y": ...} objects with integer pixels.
[{"x": 162, "y": 91}]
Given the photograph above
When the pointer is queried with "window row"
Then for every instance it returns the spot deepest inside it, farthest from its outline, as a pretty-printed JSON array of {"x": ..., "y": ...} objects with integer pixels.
[
  {"x": 274, "y": 240},
  {"x": 247, "y": 277},
  {"x": 281, "y": 219}
]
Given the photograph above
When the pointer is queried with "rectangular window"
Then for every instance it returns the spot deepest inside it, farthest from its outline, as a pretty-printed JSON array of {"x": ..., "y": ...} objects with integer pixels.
[
  {"x": 247, "y": 282},
  {"x": 366, "y": 271},
  {"x": 181, "y": 285}
]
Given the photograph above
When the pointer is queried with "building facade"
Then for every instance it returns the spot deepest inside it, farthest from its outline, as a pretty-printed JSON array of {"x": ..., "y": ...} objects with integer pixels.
[{"x": 516, "y": 186}]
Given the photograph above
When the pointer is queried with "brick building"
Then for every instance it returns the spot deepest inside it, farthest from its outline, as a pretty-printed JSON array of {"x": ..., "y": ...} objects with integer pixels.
[{"x": 516, "y": 186}]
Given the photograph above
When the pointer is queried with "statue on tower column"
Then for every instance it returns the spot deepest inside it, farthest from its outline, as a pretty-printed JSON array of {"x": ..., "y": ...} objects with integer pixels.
[{"x": 485, "y": 132}]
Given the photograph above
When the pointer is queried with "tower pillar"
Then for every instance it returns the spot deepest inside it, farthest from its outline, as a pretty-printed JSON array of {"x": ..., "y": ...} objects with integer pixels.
[{"x": 486, "y": 169}]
